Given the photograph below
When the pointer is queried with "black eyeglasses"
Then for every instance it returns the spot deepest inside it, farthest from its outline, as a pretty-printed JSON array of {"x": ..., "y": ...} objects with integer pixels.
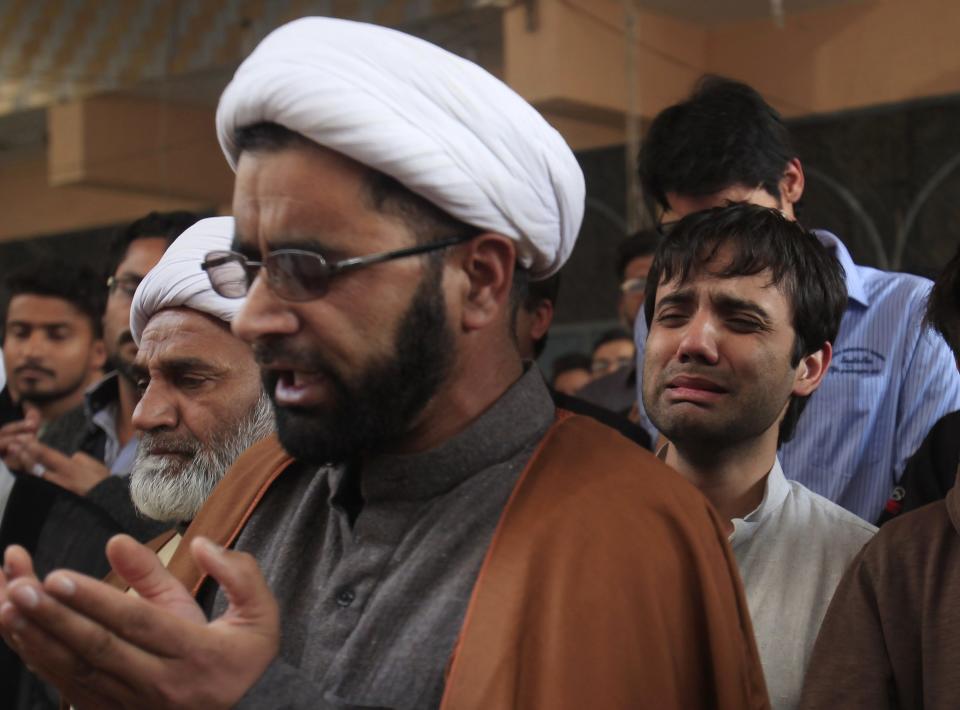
[{"x": 295, "y": 274}]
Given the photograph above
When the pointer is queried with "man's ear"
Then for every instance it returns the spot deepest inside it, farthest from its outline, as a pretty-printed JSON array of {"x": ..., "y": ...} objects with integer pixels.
[
  {"x": 488, "y": 262},
  {"x": 811, "y": 370},
  {"x": 791, "y": 186}
]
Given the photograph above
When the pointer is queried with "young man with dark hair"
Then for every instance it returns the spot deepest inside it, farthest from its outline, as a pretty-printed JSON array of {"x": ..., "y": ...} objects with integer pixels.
[
  {"x": 53, "y": 339},
  {"x": 891, "y": 379},
  {"x": 743, "y": 307},
  {"x": 891, "y": 638}
]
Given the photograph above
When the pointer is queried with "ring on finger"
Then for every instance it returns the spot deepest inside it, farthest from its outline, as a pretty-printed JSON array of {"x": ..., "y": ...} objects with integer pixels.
[{"x": 38, "y": 470}]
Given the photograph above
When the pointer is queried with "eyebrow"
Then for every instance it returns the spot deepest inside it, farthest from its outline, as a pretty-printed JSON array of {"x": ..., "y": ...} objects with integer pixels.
[
  {"x": 732, "y": 303},
  {"x": 35, "y": 324},
  {"x": 309, "y": 244},
  {"x": 683, "y": 297},
  {"x": 724, "y": 302},
  {"x": 179, "y": 366}
]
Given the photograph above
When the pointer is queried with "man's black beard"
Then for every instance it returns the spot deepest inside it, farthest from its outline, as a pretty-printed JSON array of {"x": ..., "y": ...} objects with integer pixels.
[
  {"x": 379, "y": 409},
  {"x": 41, "y": 398},
  {"x": 116, "y": 363}
]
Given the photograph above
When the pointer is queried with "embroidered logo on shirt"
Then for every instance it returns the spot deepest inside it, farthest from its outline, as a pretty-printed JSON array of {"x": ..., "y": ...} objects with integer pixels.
[{"x": 857, "y": 361}]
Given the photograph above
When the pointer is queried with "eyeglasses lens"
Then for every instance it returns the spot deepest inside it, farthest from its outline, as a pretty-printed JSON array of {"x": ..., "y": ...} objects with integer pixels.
[
  {"x": 297, "y": 276},
  {"x": 229, "y": 278}
]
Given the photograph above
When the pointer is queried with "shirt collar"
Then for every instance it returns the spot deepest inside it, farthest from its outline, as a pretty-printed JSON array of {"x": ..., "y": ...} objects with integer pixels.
[
  {"x": 855, "y": 288},
  {"x": 102, "y": 394},
  {"x": 775, "y": 492},
  {"x": 518, "y": 419}
]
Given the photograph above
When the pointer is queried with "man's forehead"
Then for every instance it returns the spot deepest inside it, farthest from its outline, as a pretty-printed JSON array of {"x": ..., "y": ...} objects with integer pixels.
[
  {"x": 707, "y": 280},
  {"x": 36, "y": 309},
  {"x": 183, "y": 332}
]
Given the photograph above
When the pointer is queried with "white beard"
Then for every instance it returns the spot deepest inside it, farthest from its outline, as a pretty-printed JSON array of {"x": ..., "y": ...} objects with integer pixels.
[{"x": 172, "y": 488}]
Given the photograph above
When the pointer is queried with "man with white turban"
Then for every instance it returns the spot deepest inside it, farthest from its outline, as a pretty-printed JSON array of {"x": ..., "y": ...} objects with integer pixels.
[
  {"x": 433, "y": 532},
  {"x": 201, "y": 402}
]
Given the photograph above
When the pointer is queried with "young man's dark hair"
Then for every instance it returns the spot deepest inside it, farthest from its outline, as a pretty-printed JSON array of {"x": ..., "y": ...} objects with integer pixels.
[
  {"x": 757, "y": 239},
  {"x": 168, "y": 225},
  {"x": 642, "y": 243},
  {"x": 724, "y": 134},
  {"x": 78, "y": 285},
  {"x": 943, "y": 306}
]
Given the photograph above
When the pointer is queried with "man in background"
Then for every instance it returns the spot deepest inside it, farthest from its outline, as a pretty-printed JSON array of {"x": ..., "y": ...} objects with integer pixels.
[
  {"x": 614, "y": 367},
  {"x": 891, "y": 379},
  {"x": 53, "y": 349},
  {"x": 634, "y": 257}
]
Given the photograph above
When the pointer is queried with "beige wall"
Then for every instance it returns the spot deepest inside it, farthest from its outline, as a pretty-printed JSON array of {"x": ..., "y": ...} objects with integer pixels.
[
  {"x": 846, "y": 56},
  {"x": 31, "y": 207},
  {"x": 826, "y": 60}
]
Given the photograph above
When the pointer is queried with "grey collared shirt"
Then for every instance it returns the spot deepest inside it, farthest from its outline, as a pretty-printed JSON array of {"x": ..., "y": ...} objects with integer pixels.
[{"x": 371, "y": 607}]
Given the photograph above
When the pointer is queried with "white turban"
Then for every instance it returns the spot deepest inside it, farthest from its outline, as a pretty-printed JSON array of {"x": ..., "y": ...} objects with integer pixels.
[
  {"x": 439, "y": 124},
  {"x": 177, "y": 281}
]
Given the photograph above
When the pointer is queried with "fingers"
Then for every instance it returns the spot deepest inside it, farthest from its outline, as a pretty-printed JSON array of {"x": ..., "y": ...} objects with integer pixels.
[
  {"x": 251, "y": 601},
  {"x": 14, "y": 431},
  {"x": 140, "y": 568},
  {"x": 90, "y": 646},
  {"x": 52, "y": 660},
  {"x": 26, "y": 453},
  {"x": 17, "y": 563}
]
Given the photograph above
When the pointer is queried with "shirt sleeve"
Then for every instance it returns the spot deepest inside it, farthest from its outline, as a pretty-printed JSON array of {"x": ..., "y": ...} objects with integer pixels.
[{"x": 929, "y": 390}]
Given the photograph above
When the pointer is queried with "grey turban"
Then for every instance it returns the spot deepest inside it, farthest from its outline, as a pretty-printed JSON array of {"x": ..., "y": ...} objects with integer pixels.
[
  {"x": 177, "y": 281},
  {"x": 442, "y": 126}
]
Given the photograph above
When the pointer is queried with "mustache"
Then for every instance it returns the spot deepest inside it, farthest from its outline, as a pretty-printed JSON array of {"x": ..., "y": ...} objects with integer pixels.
[
  {"x": 268, "y": 352},
  {"x": 168, "y": 443},
  {"x": 33, "y": 366}
]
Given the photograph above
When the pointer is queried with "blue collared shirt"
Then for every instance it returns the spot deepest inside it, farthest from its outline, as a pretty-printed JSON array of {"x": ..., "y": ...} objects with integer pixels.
[{"x": 889, "y": 383}]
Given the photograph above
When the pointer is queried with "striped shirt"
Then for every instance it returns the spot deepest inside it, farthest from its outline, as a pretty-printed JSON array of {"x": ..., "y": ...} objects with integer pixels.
[{"x": 889, "y": 383}]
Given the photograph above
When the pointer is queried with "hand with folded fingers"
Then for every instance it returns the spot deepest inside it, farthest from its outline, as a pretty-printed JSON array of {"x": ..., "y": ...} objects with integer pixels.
[
  {"x": 105, "y": 648},
  {"x": 78, "y": 473}
]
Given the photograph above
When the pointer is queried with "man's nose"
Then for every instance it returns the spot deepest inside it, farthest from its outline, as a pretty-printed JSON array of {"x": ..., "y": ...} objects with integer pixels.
[
  {"x": 155, "y": 410},
  {"x": 699, "y": 341},
  {"x": 263, "y": 313}
]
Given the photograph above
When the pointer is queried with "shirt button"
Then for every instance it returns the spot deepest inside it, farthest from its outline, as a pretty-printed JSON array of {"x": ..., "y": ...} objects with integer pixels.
[{"x": 345, "y": 597}]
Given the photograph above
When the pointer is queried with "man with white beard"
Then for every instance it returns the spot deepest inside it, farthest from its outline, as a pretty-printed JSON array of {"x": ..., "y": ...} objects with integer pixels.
[
  {"x": 201, "y": 405},
  {"x": 201, "y": 400}
]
